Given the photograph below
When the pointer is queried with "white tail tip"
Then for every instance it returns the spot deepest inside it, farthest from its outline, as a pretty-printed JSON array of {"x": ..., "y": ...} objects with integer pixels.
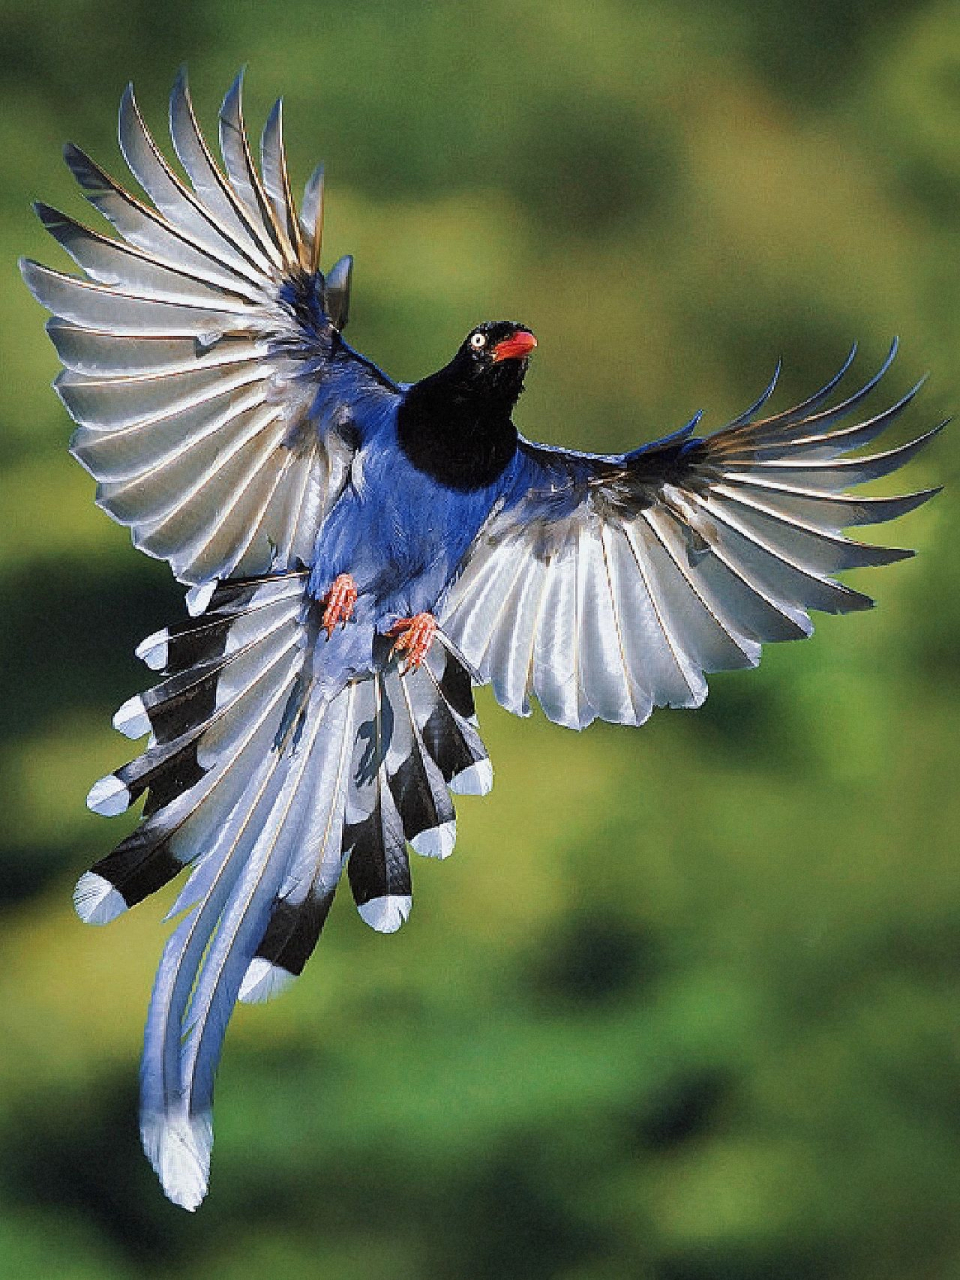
[
  {"x": 386, "y": 914},
  {"x": 263, "y": 981},
  {"x": 154, "y": 650},
  {"x": 438, "y": 842},
  {"x": 179, "y": 1151},
  {"x": 197, "y": 598},
  {"x": 108, "y": 797},
  {"x": 131, "y": 719},
  {"x": 473, "y": 781},
  {"x": 96, "y": 901}
]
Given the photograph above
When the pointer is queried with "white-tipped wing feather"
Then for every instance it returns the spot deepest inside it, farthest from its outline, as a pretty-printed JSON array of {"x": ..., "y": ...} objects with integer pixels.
[
  {"x": 608, "y": 586},
  {"x": 192, "y": 347}
]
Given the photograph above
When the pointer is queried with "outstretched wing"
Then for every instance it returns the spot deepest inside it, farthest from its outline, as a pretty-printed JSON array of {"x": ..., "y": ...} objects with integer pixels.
[
  {"x": 195, "y": 344},
  {"x": 607, "y": 586}
]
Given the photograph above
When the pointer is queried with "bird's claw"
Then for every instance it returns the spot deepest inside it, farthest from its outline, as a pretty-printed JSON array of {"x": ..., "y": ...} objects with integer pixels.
[
  {"x": 338, "y": 603},
  {"x": 414, "y": 637}
]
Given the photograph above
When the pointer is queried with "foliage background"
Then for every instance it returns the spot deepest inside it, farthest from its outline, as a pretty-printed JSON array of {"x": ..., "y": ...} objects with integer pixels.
[{"x": 683, "y": 1005}]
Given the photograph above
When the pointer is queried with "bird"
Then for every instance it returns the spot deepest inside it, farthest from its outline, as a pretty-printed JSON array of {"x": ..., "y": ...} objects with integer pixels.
[{"x": 361, "y": 553}]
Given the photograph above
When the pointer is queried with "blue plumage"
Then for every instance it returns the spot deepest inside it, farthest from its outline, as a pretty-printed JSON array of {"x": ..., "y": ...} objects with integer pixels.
[
  {"x": 360, "y": 554},
  {"x": 397, "y": 530}
]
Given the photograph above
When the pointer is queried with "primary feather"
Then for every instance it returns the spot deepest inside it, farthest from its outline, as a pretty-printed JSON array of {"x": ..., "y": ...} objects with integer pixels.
[{"x": 230, "y": 426}]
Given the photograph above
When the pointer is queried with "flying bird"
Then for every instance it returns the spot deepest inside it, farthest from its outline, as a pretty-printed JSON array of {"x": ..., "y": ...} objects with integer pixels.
[{"x": 360, "y": 553}]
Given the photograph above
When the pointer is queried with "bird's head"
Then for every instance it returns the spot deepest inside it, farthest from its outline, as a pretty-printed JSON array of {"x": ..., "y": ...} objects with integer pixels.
[
  {"x": 455, "y": 425},
  {"x": 493, "y": 358}
]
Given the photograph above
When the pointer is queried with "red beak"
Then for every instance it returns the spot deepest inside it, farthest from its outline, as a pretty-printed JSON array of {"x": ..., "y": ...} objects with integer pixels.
[{"x": 516, "y": 347}]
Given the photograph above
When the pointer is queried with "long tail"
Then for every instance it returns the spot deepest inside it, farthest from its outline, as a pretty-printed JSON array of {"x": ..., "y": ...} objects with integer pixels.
[{"x": 266, "y": 786}]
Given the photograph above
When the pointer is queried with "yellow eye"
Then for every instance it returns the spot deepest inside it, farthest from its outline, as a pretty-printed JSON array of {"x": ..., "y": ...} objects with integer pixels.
[{"x": 478, "y": 341}]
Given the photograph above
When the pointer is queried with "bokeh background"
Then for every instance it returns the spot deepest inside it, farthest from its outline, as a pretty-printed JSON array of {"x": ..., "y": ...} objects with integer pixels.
[{"x": 683, "y": 1005}]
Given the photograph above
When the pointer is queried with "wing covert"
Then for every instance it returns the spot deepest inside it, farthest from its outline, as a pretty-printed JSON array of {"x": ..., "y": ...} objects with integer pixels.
[
  {"x": 606, "y": 586},
  {"x": 194, "y": 344}
]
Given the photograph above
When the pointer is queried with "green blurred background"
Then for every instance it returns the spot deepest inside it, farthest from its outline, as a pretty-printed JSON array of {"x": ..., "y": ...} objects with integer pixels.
[{"x": 683, "y": 1004}]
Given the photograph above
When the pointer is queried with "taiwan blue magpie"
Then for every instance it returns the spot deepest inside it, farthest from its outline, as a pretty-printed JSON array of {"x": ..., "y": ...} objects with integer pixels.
[{"x": 360, "y": 553}]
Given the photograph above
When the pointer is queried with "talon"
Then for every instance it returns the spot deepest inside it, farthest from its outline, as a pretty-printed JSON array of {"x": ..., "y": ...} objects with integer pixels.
[
  {"x": 414, "y": 637},
  {"x": 338, "y": 603}
]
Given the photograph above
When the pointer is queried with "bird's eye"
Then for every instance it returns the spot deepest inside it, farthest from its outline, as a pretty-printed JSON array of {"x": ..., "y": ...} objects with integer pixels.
[{"x": 478, "y": 341}]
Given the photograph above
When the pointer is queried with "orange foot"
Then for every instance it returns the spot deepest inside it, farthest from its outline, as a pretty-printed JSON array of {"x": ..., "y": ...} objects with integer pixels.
[
  {"x": 414, "y": 638},
  {"x": 338, "y": 603}
]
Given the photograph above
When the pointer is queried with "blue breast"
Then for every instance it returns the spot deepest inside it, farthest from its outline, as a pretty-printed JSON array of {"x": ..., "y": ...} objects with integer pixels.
[{"x": 399, "y": 533}]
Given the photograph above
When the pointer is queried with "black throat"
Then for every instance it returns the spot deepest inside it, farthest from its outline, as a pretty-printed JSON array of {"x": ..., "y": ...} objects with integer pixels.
[{"x": 456, "y": 428}]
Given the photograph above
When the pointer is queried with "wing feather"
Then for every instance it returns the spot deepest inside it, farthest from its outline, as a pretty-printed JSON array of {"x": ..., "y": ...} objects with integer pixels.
[
  {"x": 276, "y": 181},
  {"x": 555, "y": 676},
  {"x": 194, "y": 346},
  {"x": 147, "y": 229},
  {"x": 177, "y": 203},
  {"x": 606, "y": 586},
  {"x": 110, "y": 262},
  {"x": 213, "y": 191},
  {"x": 244, "y": 179}
]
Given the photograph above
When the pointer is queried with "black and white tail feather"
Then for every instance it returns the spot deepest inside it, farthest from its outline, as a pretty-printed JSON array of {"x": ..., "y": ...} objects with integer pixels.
[
  {"x": 191, "y": 348},
  {"x": 266, "y": 786}
]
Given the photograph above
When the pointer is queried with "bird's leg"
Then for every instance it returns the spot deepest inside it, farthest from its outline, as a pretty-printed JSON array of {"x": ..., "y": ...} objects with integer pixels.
[
  {"x": 414, "y": 637},
  {"x": 338, "y": 603}
]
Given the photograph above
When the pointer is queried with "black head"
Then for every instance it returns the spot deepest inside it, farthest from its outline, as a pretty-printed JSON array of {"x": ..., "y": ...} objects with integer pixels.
[
  {"x": 492, "y": 360},
  {"x": 456, "y": 425}
]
